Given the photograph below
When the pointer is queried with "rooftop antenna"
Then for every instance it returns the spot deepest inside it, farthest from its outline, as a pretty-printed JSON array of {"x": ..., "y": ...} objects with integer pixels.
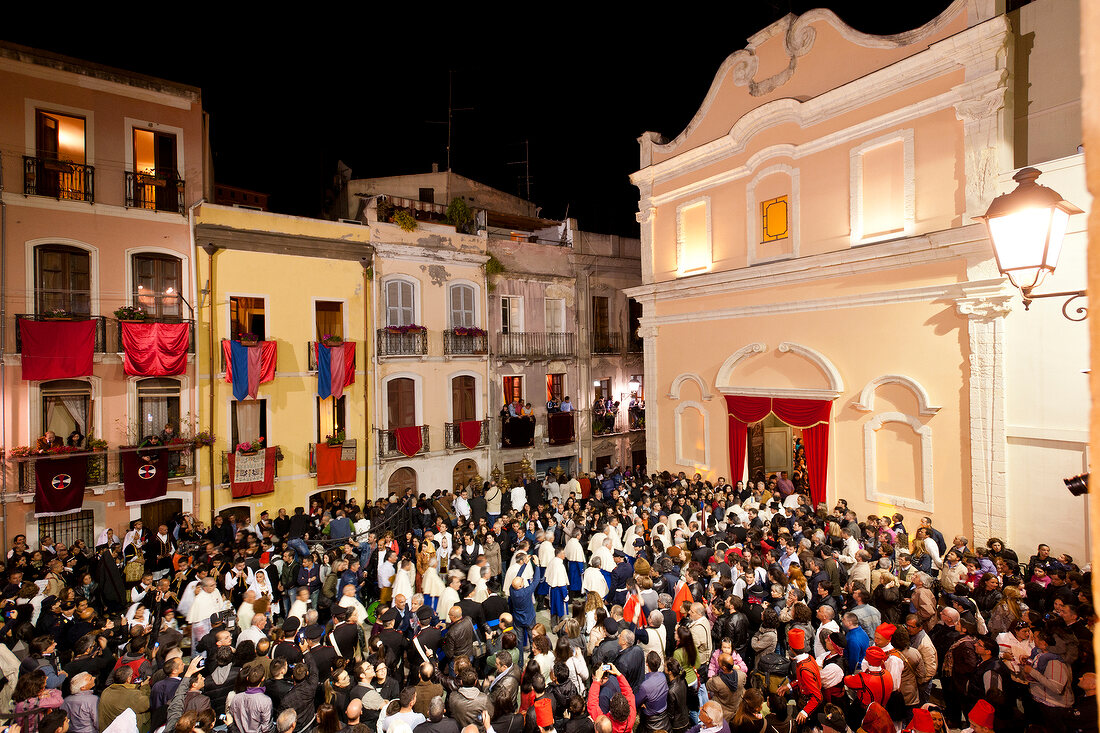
[
  {"x": 451, "y": 109},
  {"x": 525, "y": 179}
]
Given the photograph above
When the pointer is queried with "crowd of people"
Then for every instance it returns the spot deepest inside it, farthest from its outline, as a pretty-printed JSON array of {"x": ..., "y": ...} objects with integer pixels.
[{"x": 593, "y": 604}]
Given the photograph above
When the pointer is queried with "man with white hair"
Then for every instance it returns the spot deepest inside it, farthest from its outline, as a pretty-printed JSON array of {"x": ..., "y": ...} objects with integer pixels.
[
  {"x": 594, "y": 581},
  {"x": 574, "y": 561},
  {"x": 348, "y": 599},
  {"x": 450, "y": 595},
  {"x": 607, "y": 559},
  {"x": 521, "y": 568},
  {"x": 208, "y": 601},
  {"x": 82, "y": 704}
]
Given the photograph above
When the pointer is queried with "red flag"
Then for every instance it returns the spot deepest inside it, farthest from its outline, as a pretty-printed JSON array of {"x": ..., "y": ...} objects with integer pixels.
[
  {"x": 144, "y": 475},
  {"x": 250, "y": 475},
  {"x": 331, "y": 471},
  {"x": 470, "y": 432},
  {"x": 154, "y": 349},
  {"x": 409, "y": 440},
  {"x": 682, "y": 594},
  {"x": 633, "y": 611},
  {"x": 59, "y": 484},
  {"x": 56, "y": 349}
]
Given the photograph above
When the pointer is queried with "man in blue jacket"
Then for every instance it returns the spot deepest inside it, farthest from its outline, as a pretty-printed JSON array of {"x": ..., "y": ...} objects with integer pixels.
[
  {"x": 856, "y": 642},
  {"x": 522, "y": 599}
]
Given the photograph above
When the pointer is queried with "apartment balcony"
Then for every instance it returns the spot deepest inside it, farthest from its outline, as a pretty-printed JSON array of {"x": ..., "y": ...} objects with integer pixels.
[
  {"x": 311, "y": 357},
  {"x": 159, "y": 191},
  {"x": 388, "y": 447},
  {"x": 635, "y": 344},
  {"x": 105, "y": 467},
  {"x": 636, "y": 418},
  {"x": 608, "y": 422},
  {"x": 225, "y": 462},
  {"x": 607, "y": 343},
  {"x": 534, "y": 346},
  {"x": 58, "y": 179},
  {"x": 461, "y": 342},
  {"x": 452, "y": 435},
  {"x": 517, "y": 432},
  {"x": 561, "y": 427},
  {"x": 166, "y": 319},
  {"x": 100, "y": 346},
  {"x": 392, "y": 342}
]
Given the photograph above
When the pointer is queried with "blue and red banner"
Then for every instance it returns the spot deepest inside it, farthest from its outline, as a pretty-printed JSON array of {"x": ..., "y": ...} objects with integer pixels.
[
  {"x": 247, "y": 367},
  {"x": 335, "y": 369}
]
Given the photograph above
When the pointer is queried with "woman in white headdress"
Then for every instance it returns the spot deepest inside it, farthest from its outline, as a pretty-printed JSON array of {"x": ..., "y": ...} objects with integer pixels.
[{"x": 404, "y": 583}]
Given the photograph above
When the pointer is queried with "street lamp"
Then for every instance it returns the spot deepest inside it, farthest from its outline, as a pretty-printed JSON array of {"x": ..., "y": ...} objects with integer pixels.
[
  {"x": 173, "y": 291},
  {"x": 1026, "y": 228}
]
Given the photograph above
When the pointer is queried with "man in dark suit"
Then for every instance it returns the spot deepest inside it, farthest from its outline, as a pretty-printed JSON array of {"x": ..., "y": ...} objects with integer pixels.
[
  {"x": 319, "y": 655},
  {"x": 428, "y": 639},
  {"x": 396, "y": 646},
  {"x": 345, "y": 635},
  {"x": 472, "y": 609},
  {"x": 664, "y": 605}
]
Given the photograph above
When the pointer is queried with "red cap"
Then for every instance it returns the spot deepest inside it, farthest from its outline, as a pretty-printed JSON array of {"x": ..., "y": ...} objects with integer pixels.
[
  {"x": 544, "y": 714},
  {"x": 981, "y": 714},
  {"x": 886, "y": 631},
  {"x": 921, "y": 722},
  {"x": 875, "y": 656},
  {"x": 796, "y": 640}
]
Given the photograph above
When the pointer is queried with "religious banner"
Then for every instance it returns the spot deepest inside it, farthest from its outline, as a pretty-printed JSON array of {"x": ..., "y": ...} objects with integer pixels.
[
  {"x": 251, "y": 474},
  {"x": 154, "y": 349},
  {"x": 408, "y": 440},
  {"x": 59, "y": 484},
  {"x": 56, "y": 349},
  {"x": 335, "y": 369},
  {"x": 144, "y": 475},
  {"x": 470, "y": 432},
  {"x": 332, "y": 468}
]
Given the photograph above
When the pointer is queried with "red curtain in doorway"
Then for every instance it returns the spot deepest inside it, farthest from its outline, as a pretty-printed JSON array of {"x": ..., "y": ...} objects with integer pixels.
[{"x": 812, "y": 416}]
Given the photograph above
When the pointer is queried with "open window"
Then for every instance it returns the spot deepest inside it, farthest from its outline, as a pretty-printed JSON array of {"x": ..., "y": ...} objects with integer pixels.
[
  {"x": 157, "y": 284},
  {"x": 329, "y": 315},
  {"x": 601, "y": 389},
  {"x": 246, "y": 315},
  {"x": 331, "y": 417},
  {"x": 513, "y": 389},
  {"x": 66, "y": 406},
  {"x": 555, "y": 387},
  {"x": 62, "y": 279},
  {"x": 156, "y": 181},
  {"x": 249, "y": 420},
  {"x": 59, "y": 168},
  {"x": 511, "y": 314},
  {"x": 158, "y": 405}
]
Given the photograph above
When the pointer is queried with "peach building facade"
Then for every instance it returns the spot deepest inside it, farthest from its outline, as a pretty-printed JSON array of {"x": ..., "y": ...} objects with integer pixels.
[
  {"x": 810, "y": 236},
  {"x": 100, "y": 167}
]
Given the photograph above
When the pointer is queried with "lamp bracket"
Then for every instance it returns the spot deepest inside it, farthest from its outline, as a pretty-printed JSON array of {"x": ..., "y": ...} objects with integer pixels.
[{"x": 1080, "y": 313}]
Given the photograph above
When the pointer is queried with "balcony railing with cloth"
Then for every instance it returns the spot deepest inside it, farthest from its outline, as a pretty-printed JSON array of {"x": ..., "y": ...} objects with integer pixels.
[
  {"x": 105, "y": 466},
  {"x": 225, "y": 463},
  {"x": 100, "y": 346},
  {"x": 394, "y": 342},
  {"x": 311, "y": 357},
  {"x": 402, "y": 442},
  {"x": 58, "y": 179},
  {"x": 161, "y": 190},
  {"x": 561, "y": 427},
  {"x": 517, "y": 432},
  {"x": 536, "y": 345},
  {"x": 165, "y": 319},
  {"x": 465, "y": 341},
  {"x": 454, "y": 439}
]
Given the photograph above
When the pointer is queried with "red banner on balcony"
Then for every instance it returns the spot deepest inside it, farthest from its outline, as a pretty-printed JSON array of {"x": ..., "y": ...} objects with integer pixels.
[
  {"x": 59, "y": 484},
  {"x": 144, "y": 475},
  {"x": 252, "y": 474},
  {"x": 409, "y": 440},
  {"x": 56, "y": 349},
  {"x": 331, "y": 471},
  {"x": 335, "y": 369},
  {"x": 154, "y": 349},
  {"x": 470, "y": 432}
]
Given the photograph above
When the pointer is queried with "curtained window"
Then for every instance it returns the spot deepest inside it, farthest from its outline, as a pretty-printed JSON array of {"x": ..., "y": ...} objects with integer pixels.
[
  {"x": 154, "y": 276},
  {"x": 331, "y": 419},
  {"x": 249, "y": 420},
  {"x": 330, "y": 318},
  {"x": 66, "y": 404},
  {"x": 247, "y": 315},
  {"x": 158, "y": 405}
]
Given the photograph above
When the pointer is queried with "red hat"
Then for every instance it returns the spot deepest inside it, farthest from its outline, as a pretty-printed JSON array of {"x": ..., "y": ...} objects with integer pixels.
[
  {"x": 544, "y": 714},
  {"x": 796, "y": 640},
  {"x": 921, "y": 723},
  {"x": 875, "y": 656},
  {"x": 981, "y": 714},
  {"x": 886, "y": 631}
]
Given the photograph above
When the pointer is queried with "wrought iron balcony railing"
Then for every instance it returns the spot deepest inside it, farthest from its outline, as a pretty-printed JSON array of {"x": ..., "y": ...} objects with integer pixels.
[
  {"x": 166, "y": 319},
  {"x": 58, "y": 179},
  {"x": 387, "y": 443},
  {"x": 100, "y": 329},
  {"x": 608, "y": 422},
  {"x": 461, "y": 344},
  {"x": 106, "y": 466},
  {"x": 452, "y": 436},
  {"x": 536, "y": 345},
  {"x": 159, "y": 191},
  {"x": 607, "y": 343},
  {"x": 395, "y": 343}
]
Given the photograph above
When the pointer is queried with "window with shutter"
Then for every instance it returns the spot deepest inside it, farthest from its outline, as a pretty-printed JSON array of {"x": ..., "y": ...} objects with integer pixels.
[
  {"x": 401, "y": 402},
  {"x": 463, "y": 399},
  {"x": 462, "y": 306},
  {"x": 555, "y": 315},
  {"x": 399, "y": 303}
]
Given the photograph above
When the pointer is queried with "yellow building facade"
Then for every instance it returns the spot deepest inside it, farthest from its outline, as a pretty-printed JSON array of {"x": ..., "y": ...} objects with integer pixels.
[{"x": 289, "y": 281}]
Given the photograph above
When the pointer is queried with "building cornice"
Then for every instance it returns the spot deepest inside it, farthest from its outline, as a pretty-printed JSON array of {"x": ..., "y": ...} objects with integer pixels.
[
  {"x": 420, "y": 253},
  {"x": 961, "y": 242},
  {"x": 281, "y": 244}
]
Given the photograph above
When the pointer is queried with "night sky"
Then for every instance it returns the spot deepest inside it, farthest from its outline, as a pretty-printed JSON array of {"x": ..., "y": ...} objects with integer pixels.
[{"x": 290, "y": 95}]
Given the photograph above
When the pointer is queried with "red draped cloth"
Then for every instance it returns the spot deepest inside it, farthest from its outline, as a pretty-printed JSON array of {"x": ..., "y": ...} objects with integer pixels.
[
  {"x": 470, "y": 432},
  {"x": 812, "y": 416},
  {"x": 154, "y": 349},
  {"x": 331, "y": 471},
  {"x": 409, "y": 440},
  {"x": 56, "y": 349}
]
